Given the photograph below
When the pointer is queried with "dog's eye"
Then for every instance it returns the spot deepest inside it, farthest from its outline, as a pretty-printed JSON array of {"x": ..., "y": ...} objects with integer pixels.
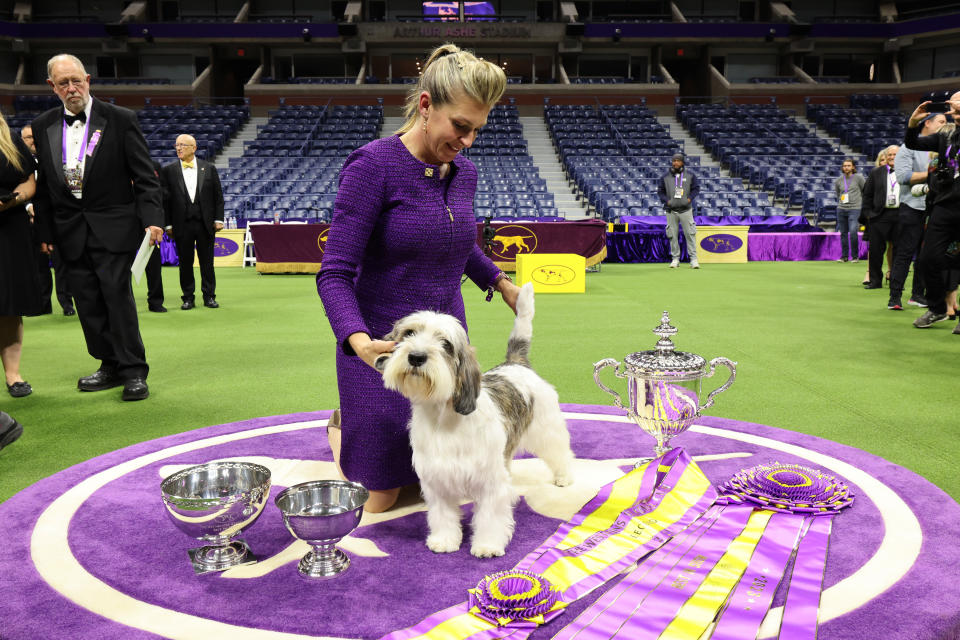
[
  {"x": 408, "y": 333},
  {"x": 447, "y": 346}
]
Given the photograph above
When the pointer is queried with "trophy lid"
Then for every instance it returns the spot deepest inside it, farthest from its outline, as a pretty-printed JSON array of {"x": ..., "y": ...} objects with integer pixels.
[{"x": 665, "y": 361}]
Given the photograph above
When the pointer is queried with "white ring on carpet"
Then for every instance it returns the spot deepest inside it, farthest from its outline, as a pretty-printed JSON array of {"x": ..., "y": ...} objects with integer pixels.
[{"x": 51, "y": 555}]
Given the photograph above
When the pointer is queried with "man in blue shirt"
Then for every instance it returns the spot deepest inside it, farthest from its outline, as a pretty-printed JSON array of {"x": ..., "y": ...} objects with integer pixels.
[{"x": 910, "y": 167}]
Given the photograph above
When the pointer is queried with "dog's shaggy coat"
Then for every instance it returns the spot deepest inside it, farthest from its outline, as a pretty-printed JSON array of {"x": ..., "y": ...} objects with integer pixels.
[{"x": 466, "y": 427}]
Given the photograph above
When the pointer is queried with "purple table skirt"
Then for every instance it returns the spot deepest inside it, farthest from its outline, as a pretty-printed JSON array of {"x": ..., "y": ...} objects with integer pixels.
[
  {"x": 757, "y": 224},
  {"x": 651, "y": 245}
]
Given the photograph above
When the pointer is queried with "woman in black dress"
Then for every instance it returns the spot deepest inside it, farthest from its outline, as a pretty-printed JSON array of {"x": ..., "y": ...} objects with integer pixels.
[{"x": 19, "y": 284}]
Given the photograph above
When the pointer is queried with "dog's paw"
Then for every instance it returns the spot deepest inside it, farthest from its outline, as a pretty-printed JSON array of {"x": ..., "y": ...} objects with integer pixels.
[
  {"x": 482, "y": 550},
  {"x": 563, "y": 480},
  {"x": 443, "y": 543}
]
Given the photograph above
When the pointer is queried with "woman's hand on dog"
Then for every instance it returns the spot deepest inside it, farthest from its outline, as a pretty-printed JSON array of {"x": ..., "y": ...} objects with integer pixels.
[
  {"x": 510, "y": 292},
  {"x": 369, "y": 350}
]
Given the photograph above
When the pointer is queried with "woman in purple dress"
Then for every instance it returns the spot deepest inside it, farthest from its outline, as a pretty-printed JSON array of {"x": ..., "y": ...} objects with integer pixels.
[{"x": 403, "y": 234}]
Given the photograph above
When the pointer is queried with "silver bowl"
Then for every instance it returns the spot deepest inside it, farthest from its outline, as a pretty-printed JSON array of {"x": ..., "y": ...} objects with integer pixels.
[
  {"x": 214, "y": 502},
  {"x": 321, "y": 513}
]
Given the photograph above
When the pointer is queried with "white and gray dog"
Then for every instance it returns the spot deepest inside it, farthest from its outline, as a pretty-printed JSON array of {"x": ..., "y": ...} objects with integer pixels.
[{"x": 466, "y": 427}]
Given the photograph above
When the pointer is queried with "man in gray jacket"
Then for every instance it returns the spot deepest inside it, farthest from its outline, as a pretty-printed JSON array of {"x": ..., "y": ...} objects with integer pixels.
[
  {"x": 849, "y": 189},
  {"x": 677, "y": 190},
  {"x": 910, "y": 167}
]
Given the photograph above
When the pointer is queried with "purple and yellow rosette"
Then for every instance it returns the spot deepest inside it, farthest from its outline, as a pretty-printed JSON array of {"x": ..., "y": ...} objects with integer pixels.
[
  {"x": 788, "y": 488},
  {"x": 515, "y": 598}
]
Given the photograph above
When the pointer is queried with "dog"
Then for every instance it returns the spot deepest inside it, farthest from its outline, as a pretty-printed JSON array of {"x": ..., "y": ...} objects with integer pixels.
[{"x": 466, "y": 427}]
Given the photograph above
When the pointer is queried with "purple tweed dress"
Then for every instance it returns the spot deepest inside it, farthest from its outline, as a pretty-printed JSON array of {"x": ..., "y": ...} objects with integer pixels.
[{"x": 400, "y": 241}]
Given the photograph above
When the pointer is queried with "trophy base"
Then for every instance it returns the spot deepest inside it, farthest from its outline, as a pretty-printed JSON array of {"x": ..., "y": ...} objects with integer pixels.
[
  {"x": 323, "y": 564},
  {"x": 211, "y": 559}
]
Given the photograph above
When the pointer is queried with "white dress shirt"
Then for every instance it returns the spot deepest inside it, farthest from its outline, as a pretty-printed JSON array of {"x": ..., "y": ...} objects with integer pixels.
[
  {"x": 190, "y": 179},
  {"x": 74, "y": 142}
]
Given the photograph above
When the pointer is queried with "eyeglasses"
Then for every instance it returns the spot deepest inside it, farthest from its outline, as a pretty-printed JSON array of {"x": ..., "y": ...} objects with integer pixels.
[
  {"x": 181, "y": 145},
  {"x": 65, "y": 84}
]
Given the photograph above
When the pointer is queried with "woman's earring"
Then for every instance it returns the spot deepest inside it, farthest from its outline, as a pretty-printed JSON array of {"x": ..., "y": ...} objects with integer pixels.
[{"x": 424, "y": 125}]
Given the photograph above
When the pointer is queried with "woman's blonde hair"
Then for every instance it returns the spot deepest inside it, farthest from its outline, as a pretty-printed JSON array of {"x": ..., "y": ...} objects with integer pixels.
[
  {"x": 449, "y": 73},
  {"x": 881, "y": 157},
  {"x": 7, "y": 147}
]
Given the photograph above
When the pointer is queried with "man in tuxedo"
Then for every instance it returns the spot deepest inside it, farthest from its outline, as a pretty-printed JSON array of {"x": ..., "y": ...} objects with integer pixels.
[
  {"x": 193, "y": 204},
  {"x": 97, "y": 198},
  {"x": 153, "y": 270},
  {"x": 43, "y": 260}
]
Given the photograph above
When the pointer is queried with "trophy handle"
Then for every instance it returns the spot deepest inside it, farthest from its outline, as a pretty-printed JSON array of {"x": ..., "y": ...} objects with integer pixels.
[
  {"x": 729, "y": 364},
  {"x": 608, "y": 362}
]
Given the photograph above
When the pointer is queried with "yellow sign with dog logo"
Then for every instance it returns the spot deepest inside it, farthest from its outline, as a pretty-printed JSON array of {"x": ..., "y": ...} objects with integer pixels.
[{"x": 552, "y": 272}]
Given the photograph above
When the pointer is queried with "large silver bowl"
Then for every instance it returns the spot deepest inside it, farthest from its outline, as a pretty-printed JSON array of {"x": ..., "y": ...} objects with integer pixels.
[
  {"x": 214, "y": 502},
  {"x": 320, "y": 513}
]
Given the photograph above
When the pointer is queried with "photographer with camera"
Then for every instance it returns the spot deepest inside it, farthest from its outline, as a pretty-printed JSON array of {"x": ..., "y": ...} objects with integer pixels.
[
  {"x": 911, "y": 169},
  {"x": 944, "y": 225}
]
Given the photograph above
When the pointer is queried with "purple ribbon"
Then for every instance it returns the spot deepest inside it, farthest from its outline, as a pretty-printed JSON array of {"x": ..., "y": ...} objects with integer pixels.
[
  {"x": 654, "y": 486},
  {"x": 751, "y": 599},
  {"x": 644, "y": 603},
  {"x": 664, "y": 483},
  {"x": 806, "y": 582}
]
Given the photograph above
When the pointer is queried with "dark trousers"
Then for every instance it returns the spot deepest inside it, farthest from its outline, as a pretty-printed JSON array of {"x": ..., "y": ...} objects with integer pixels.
[
  {"x": 194, "y": 233},
  {"x": 154, "y": 279},
  {"x": 942, "y": 229},
  {"x": 883, "y": 229},
  {"x": 100, "y": 281},
  {"x": 47, "y": 281},
  {"x": 906, "y": 245}
]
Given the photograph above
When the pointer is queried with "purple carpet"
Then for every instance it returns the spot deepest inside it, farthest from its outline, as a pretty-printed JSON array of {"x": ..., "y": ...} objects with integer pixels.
[{"x": 90, "y": 552}]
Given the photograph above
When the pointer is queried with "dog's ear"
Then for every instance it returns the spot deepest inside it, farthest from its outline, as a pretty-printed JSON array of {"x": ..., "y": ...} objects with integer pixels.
[
  {"x": 381, "y": 362},
  {"x": 468, "y": 382}
]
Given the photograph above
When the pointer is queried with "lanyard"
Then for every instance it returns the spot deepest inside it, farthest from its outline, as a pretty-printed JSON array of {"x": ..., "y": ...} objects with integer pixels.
[
  {"x": 678, "y": 179},
  {"x": 83, "y": 145},
  {"x": 846, "y": 187},
  {"x": 892, "y": 176}
]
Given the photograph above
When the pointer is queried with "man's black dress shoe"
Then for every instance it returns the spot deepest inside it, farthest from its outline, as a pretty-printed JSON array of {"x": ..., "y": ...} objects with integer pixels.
[
  {"x": 873, "y": 286},
  {"x": 99, "y": 380},
  {"x": 20, "y": 389},
  {"x": 210, "y": 302},
  {"x": 158, "y": 308},
  {"x": 10, "y": 429},
  {"x": 69, "y": 311},
  {"x": 187, "y": 305},
  {"x": 135, "y": 389}
]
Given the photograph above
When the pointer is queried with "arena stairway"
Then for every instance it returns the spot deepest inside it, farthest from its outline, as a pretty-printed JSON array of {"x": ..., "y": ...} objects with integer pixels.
[
  {"x": 235, "y": 149},
  {"x": 545, "y": 158}
]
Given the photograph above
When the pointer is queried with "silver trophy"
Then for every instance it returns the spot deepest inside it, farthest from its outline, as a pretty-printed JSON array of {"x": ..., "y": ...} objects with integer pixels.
[
  {"x": 214, "y": 502},
  {"x": 321, "y": 513},
  {"x": 664, "y": 386}
]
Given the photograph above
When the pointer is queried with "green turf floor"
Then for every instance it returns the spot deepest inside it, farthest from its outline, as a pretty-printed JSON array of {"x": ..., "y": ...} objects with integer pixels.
[{"x": 816, "y": 353}]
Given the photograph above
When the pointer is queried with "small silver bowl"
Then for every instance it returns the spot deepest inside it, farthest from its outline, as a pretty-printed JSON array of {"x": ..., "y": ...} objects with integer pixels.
[
  {"x": 320, "y": 513},
  {"x": 214, "y": 502}
]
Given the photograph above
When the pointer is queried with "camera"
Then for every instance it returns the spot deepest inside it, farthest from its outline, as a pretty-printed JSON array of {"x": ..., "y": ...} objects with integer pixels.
[{"x": 938, "y": 107}]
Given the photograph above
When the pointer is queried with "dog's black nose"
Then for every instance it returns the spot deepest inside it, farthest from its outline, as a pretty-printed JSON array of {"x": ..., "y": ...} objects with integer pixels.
[{"x": 416, "y": 359}]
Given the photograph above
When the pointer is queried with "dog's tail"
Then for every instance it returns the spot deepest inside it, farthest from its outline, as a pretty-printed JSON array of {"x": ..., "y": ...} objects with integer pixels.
[{"x": 518, "y": 346}]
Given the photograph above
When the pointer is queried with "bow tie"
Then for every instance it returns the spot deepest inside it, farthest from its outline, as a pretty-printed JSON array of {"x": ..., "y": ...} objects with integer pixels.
[
  {"x": 188, "y": 165},
  {"x": 80, "y": 117}
]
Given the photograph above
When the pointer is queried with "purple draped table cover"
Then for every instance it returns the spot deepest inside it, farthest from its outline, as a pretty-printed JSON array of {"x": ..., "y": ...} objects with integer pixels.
[
  {"x": 298, "y": 248},
  {"x": 651, "y": 245}
]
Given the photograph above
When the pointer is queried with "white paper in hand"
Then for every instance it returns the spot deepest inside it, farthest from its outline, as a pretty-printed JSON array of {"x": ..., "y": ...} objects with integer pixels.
[{"x": 143, "y": 254}]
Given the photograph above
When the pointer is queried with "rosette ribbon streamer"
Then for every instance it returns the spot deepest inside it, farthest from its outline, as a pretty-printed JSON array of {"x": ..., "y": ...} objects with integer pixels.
[
  {"x": 736, "y": 555},
  {"x": 628, "y": 519},
  {"x": 806, "y": 499}
]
